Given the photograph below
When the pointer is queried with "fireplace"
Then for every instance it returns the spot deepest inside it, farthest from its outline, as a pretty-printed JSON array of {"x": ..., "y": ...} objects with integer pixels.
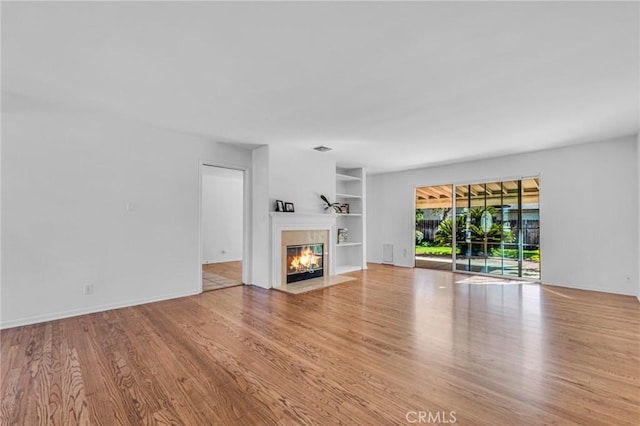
[
  {"x": 304, "y": 261},
  {"x": 314, "y": 231}
]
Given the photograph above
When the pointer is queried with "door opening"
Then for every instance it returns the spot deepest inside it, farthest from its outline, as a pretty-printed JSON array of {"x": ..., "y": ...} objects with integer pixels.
[
  {"x": 222, "y": 226},
  {"x": 498, "y": 228},
  {"x": 493, "y": 229},
  {"x": 434, "y": 213}
]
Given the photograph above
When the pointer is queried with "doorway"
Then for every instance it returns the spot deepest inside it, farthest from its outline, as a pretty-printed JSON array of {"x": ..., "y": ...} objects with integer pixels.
[
  {"x": 498, "y": 228},
  {"x": 434, "y": 212},
  {"x": 485, "y": 228},
  {"x": 222, "y": 223}
]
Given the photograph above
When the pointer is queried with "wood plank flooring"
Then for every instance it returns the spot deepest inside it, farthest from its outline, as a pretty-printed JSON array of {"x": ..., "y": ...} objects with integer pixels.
[{"x": 391, "y": 346}]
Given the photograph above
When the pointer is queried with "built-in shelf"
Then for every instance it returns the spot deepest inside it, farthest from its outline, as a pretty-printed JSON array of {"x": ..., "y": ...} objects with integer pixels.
[
  {"x": 350, "y": 256},
  {"x": 343, "y": 269},
  {"x": 348, "y": 196},
  {"x": 342, "y": 177}
]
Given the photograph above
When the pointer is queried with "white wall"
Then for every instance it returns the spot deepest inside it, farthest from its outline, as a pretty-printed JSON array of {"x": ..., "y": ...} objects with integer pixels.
[
  {"x": 577, "y": 183},
  {"x": 222, "y": 208},
  {"x": 278, "y": 173},
  {"x": 260, "y": 206},
  {"x": 301, "y": 176},
  {"x": 67, "y": 180},
  {"x": 638, "y": 165}
]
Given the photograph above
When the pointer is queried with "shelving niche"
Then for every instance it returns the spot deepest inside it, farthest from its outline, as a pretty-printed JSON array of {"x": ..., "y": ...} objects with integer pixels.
[{"x": 351, "y": 189}]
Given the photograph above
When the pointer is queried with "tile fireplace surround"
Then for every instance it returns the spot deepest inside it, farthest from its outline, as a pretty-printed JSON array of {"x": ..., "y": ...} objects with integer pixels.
[{"x": 300, "y": 228}]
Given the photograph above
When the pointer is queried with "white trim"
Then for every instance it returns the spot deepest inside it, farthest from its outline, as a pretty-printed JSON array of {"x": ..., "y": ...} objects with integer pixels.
[
  {"x": 93, "y": 309},
  {"x": 363, "y": 192},
  {"x": 246, "y": 227},
  {"x": 598, "y": 289},
  {"x": 299, "y": 222}
]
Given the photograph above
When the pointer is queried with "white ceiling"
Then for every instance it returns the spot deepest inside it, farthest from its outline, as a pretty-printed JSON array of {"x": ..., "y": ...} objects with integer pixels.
[{"x": 388, "y": 85}]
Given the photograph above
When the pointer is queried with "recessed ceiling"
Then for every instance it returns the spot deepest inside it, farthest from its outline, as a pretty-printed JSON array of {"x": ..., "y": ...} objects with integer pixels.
[{"x": 387, "y": 85}]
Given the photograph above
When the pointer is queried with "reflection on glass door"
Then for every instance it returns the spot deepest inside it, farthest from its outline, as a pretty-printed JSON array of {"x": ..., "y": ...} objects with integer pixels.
[
  {"x": 497, "y": 228},
  {"x": 530, "y": 228},
  {"x": 434, "y": 212}
]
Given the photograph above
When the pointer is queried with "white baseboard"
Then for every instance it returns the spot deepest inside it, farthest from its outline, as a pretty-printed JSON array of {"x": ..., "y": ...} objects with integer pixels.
[
  {"x": 91, "y": 310},
  {"x": 265, "y": 286},
  {"x": 597, "y": 289}
]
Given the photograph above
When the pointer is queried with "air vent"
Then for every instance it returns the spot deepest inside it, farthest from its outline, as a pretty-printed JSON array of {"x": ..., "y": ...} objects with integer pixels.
[{"x": 322, "y": 148}]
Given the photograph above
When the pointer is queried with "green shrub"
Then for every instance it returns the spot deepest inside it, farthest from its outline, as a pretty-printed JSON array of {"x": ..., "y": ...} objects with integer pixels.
[
  {"x": 419, "y": 237},
  {"x": 495, "y": 234},
  {"x": 444, "y": 231},
  {"x": 532, "y": 255},
  {"x": 434, "y": 251}
]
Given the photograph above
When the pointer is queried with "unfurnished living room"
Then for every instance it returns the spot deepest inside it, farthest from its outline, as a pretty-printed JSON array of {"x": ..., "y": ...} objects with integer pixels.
[{"x": 356, "y": 213}]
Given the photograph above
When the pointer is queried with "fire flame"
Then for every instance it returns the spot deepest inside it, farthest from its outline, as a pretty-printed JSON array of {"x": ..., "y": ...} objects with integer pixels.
[{"x": 306, "y": 261}]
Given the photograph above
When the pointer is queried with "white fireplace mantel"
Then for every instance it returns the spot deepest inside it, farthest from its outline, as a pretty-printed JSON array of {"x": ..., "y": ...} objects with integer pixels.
[{"x": 298, "y": 222}]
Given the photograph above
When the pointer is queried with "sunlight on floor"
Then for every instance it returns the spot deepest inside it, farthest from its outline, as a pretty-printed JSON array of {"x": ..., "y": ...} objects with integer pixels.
[
  {"x": 482, "y": 280},
  {"x": 557, "y": 293}
]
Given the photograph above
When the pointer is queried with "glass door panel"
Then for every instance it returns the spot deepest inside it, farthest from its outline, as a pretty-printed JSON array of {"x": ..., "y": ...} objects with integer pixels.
[
  {"x": 512, "y": 249},
  {"x": 463, "y": 234},
  {"x": 491, "y": 227},
  {"x": 434, "y": 216},
  {"x": 498, "y": 228},
  {"x": 530, "y": 195},
  {"x": 477, "y": 217}
]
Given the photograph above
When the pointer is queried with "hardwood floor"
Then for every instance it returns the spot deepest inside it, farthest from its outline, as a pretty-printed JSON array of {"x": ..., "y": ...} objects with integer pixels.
[
  {"x": 221, "y": 275},
  {"x": 391, "y": 346},
  {"x": 433, "y": 263}
]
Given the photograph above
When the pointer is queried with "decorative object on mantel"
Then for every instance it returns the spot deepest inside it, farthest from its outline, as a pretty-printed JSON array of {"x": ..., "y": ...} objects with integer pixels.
[
  {"x": 288, "y": 207},
  {"x": 344, "y": 208},
  {"x": 279, "y": 205},
  {"x": 342, "y": 235},
  {"x": 335, "y": 206}
]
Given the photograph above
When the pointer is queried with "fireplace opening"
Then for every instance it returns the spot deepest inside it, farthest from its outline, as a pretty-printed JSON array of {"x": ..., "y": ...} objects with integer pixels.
[{"x": 304, "y": 262}]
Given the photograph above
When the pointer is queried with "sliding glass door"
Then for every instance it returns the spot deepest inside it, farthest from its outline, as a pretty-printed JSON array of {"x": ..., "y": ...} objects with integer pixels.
[
  {"x": 434, "y": 212},
  {"x": 497, "y": 228},
  {"x": 530, "y": 228}
]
